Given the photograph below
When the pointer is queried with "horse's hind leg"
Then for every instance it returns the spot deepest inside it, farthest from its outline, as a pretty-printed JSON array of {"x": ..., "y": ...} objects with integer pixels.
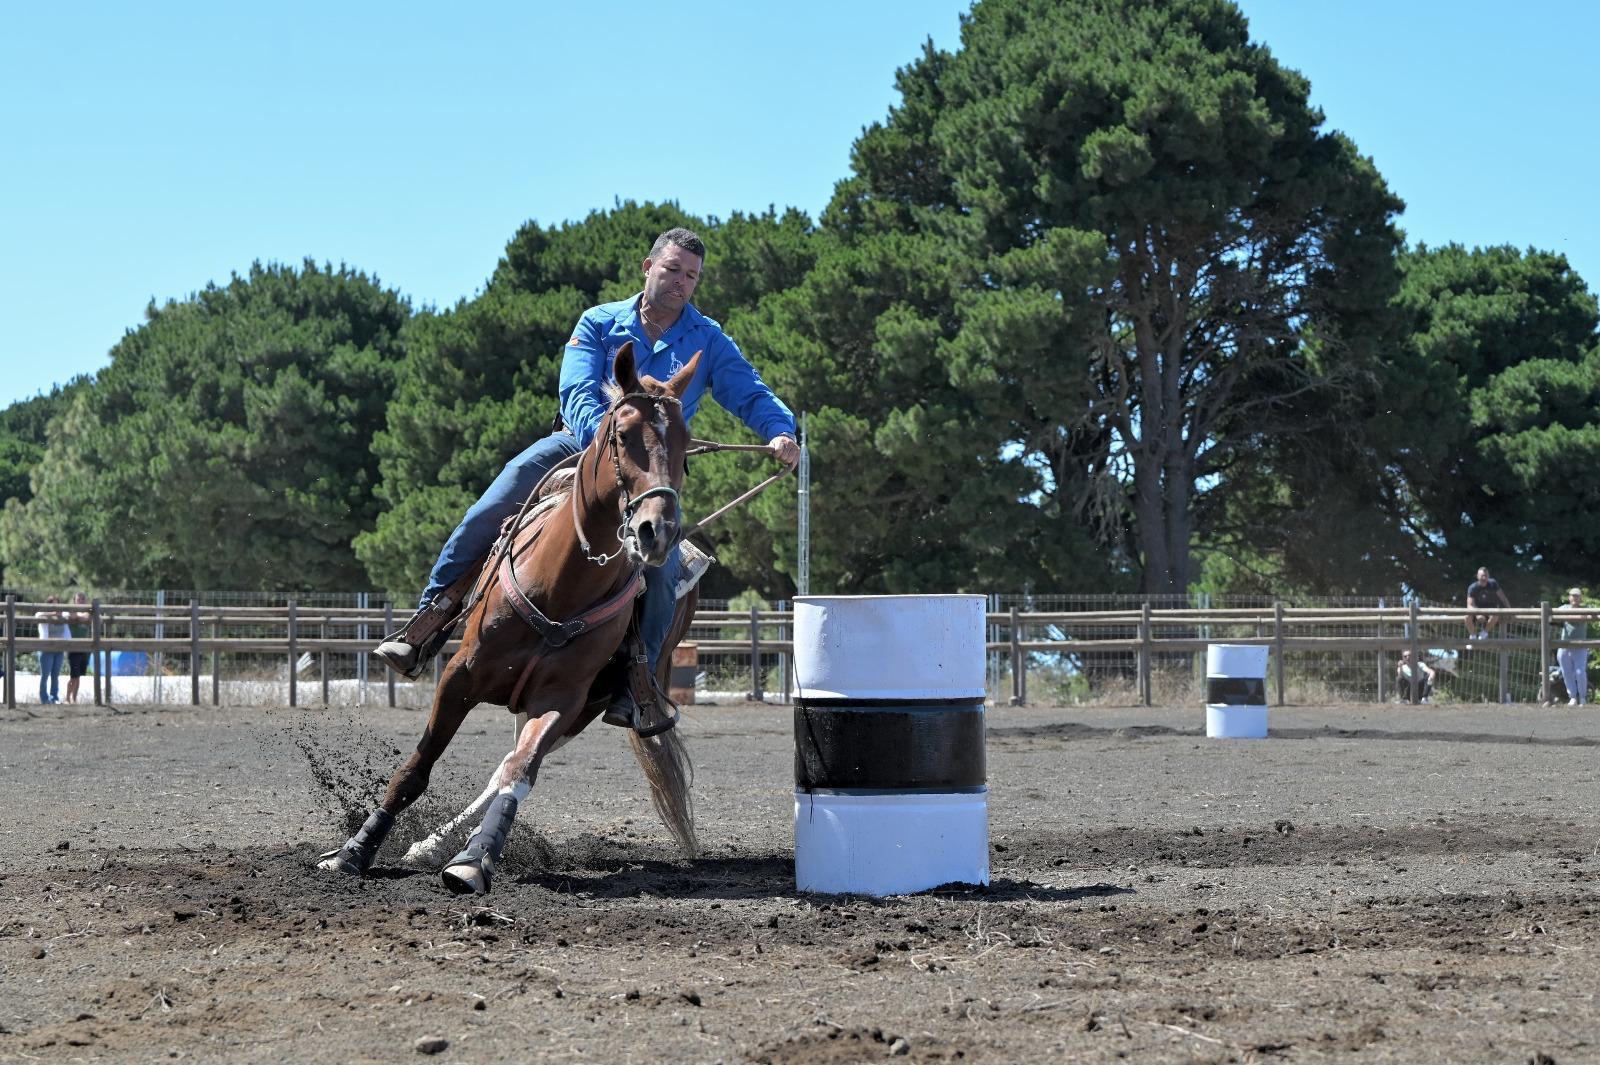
[{"x": 451, "y": 703}]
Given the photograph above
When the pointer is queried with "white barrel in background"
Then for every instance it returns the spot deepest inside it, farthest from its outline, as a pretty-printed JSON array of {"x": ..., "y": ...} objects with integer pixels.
[
  {"x": 1236, "y": 691},
  {"x": 891, "y": 793}
]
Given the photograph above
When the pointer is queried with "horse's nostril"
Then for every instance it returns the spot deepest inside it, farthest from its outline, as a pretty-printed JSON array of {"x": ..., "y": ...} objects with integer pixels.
[{"x": 647, "y": 535}]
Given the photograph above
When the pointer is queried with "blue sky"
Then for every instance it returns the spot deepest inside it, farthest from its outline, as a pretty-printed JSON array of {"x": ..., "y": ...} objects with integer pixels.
[{"x": 149, "y": 149}]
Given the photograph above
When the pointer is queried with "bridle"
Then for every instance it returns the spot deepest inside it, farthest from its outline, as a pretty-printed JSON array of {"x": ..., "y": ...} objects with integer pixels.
[{"x": 630, "y": 503}]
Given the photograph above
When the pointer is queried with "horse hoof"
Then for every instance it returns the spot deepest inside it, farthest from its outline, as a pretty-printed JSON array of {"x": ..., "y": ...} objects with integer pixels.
[
  {"x": 466, "y": 878},
  {"x": 340, "y": 861}
]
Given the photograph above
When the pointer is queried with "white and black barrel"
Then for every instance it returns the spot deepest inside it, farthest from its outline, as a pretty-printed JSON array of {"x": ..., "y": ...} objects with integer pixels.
[
  {"x": 890, "y": 793},
  {"x": 1236, "y": 691}
]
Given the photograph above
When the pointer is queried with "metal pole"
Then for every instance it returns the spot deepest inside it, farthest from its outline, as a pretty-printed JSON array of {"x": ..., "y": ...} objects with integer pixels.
[
  {"x": 94, "y": 651},
  {"x": 802, "y": 580},
  {"x": 216, "y": 664},
  {"x": 161, "y": 634},
  {"x": 1505, "y": 676},
  {"x": 361, "y": 658},
  {"x": 388, "y": 626},
  {"x": 194, "y": 652},
  {"x": 1383, "y": 677},
  {"x": 294, "y": 654},
  {"x": 1416, "y": 656},
  {"x": 11, "y": 652},
  {"x": 1277, "y": 644},
  {"x": 1544, "y": 653},
  {"x": 105, "y": 623},
  {"x": 755, "y": 655}
]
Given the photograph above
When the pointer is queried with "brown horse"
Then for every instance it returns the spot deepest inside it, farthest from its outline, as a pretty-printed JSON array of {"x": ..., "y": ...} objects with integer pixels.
[{"x": 625, "y": 489}]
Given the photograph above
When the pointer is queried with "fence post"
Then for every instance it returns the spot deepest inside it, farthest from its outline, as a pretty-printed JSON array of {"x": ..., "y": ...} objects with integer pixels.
[
  {"x": 194, "y": 652},
  {"x": 388, "y": 626},
  {"x": 322, "y": 634},
  {"x": 94, "y": 651},
  {"x": 1416, "y": 656},
  {"x": 1277, "y": 644},
  {"x": 1544, "y": 653},
  {"x": 11, "y": 652},
  {"x": 1016, "y": 659},
  {"x": 755, "y": 656},
  {"x": 294, "y": 653},
  {"x": 1382, "y": 678},
  {"x": 1505, "y": 677},
  {"x": 1146, "y": 688},
  {"x": 785, "y": 658}
]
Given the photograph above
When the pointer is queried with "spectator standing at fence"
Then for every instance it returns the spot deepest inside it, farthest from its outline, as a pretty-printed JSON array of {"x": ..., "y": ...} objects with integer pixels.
[
  {"x": 1482, "y": 593},
  {"x": 77, "y": 661},
  {"x": 1574, "y": 661},
  {"x": 52, "y": 626},
  {"x": 1403, "y": 674}
]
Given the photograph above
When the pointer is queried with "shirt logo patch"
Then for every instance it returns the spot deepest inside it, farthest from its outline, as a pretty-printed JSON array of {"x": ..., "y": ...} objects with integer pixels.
[
  {"x": 676, "y": 365},
  {"x": 574, "y": 343}
]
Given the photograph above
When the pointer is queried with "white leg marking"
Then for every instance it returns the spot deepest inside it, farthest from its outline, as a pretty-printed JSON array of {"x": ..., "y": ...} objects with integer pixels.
[{"x": 431, "y": 850}]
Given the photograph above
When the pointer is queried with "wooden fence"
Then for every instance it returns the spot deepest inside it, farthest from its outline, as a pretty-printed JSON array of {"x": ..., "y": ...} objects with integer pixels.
[{"x": 300, "y": 631}]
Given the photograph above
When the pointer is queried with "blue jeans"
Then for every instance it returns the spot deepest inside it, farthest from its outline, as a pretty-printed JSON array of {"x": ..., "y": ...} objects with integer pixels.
[
  {"x": 476, "y": 535},
  {"x": 660, "y": 603},
  {"x": 477, "y": 531},
  {"x": 49, "y": 673}
]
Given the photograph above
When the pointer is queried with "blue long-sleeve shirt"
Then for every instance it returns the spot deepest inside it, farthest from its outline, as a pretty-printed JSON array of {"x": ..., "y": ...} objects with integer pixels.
[{"x": 723, "y": 369}]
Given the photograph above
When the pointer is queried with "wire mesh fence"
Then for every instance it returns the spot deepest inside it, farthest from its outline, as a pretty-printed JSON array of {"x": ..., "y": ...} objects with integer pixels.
[
  {"x": 242, "y": 650},
  {"x": 1500, "y": 667}
]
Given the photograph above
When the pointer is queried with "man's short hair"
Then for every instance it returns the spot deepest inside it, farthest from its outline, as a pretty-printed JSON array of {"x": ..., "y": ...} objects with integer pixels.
[{"x": 680, "y": 238}]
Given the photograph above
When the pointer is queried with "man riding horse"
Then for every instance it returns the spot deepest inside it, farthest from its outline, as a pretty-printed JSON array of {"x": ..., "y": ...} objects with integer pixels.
[{"x": 666, "y": 330}]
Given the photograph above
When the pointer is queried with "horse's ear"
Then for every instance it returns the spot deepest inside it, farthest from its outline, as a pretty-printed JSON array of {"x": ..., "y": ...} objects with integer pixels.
[
  {"x": 623, "y": 369},
  {"x": 679, "y": 384}
]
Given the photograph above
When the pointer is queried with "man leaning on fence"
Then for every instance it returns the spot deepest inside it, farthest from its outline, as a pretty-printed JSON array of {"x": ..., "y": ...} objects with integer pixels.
[{"x": 1574, "y": 661}]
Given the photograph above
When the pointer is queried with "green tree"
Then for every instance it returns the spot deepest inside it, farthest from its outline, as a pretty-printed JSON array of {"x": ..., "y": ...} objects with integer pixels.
[
  {"x": 1154, "y": 257},
  {"x": 225, "y": 446},
  {"x": 1494, "y": 415},
  {"x": 22, "y": 436}
]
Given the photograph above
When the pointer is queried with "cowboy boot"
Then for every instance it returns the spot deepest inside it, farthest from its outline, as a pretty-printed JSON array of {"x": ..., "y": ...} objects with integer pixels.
[
  {"x": 636, "y": 701},
  {"x": 408, "y": 650}
]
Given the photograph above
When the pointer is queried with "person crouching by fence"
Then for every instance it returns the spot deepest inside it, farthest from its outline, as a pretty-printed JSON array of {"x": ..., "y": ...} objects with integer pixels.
[
  {"x": 1403, "y": 674},
  {"x": 77, "y": 661},
  {"x": 52, "y": 626},
  {"x": 1574, "y": 661}
]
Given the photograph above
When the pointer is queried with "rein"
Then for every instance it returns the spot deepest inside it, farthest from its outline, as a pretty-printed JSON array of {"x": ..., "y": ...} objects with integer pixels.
[
  {"x": 629, "y": 504},
  {"x": 696, "y": 447}
]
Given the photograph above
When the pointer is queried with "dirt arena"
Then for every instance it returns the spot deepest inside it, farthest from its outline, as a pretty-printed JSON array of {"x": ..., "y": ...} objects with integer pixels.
[{"x": 1398, "y": 884}]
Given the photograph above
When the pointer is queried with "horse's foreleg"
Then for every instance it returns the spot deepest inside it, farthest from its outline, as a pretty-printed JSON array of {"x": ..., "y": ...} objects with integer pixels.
[
  {"x": 451, "y": 703},
  {"x": 473, "y": 869},
  {"x": 431, "y": 849}
]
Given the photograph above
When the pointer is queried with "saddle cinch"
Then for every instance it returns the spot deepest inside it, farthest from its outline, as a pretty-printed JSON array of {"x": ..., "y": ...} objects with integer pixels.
[{"x": 628, "y": 666}]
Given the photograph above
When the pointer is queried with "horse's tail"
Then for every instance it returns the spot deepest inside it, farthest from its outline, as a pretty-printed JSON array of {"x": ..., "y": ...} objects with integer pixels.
[{"x": 666, "y": 765}]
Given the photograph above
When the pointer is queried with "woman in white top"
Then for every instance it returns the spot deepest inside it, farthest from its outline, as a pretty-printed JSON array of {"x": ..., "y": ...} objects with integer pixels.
[{"x": 52, "y": 626}]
